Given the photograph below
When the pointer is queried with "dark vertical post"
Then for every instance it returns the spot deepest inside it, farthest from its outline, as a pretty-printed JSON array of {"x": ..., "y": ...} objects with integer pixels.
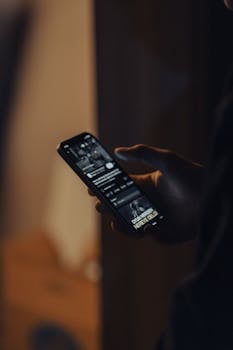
[{"x": 147, "y": 88}]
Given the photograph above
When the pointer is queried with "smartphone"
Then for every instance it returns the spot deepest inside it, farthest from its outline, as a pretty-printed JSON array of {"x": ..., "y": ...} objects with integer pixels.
[{"x": 101, "y": 172}]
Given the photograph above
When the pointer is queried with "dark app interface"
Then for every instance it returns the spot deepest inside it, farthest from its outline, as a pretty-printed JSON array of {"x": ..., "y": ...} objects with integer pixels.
[{"x": 109, "y": 179}]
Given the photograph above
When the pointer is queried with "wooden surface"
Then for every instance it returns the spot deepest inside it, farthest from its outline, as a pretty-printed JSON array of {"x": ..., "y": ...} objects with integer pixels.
[{"x": 38, "y": 290}]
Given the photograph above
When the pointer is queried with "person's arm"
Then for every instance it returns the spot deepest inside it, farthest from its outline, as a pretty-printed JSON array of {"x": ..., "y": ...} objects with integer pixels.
[{"x": 201, "y": 314}]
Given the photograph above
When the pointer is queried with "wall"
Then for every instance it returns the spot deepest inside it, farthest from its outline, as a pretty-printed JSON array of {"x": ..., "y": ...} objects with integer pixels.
[{"x": 55, "y": 100}]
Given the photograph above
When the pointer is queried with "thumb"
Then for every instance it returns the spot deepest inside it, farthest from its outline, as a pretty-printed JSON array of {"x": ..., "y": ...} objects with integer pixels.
[
  {"x": 140, "y": 159},
  {"x": 148, "y": 183}
]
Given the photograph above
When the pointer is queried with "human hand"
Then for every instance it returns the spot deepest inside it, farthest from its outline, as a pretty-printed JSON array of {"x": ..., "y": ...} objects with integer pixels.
[{"x": 169, "y": 180}]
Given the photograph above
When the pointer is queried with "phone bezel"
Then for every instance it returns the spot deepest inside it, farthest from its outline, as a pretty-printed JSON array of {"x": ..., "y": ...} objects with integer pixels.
[{"x": 128, "y": 227}]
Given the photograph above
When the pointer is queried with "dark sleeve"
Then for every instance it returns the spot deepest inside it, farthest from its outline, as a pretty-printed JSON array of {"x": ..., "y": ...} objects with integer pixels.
[
  {"x": 184, "y": 330},
  {"x": 201, "y": 318}
]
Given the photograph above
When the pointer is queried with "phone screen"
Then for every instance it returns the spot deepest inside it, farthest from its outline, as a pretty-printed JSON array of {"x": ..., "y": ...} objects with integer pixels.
[{"x": 100, "y": 169}]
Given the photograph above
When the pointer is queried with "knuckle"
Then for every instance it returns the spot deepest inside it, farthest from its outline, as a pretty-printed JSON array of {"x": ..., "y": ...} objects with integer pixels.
[{"x": 140, "y": 148}]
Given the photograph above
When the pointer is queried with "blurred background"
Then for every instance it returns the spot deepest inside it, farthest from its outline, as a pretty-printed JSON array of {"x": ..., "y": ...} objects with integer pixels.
[{"x": 130, "y": 72}]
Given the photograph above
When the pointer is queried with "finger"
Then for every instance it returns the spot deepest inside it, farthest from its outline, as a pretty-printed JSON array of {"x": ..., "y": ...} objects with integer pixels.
[
  {"x": 142, "y": 158},
  {"x": 164, "y": 233},
  {"x": 149, "y": 230},
  {"x": 90, "y": 192},
  {"x": 148, "y": 183},
  {"x": 101, "y": 208},
  {"x": 155, "y": 233},
  {"x": 116, "y": 226}
]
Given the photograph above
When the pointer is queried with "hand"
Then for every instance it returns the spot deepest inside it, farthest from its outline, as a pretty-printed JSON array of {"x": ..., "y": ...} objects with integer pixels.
[{"x": 169, "y": 180}]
